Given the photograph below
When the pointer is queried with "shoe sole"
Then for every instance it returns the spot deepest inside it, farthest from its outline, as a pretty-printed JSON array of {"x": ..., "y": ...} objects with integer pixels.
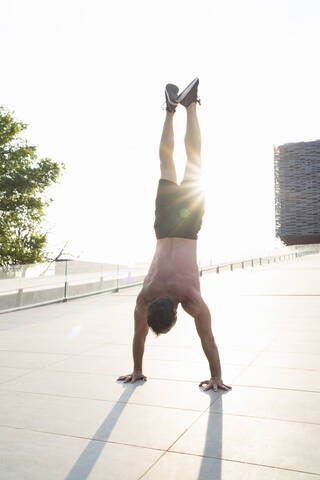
[
  {"x": 187, "y": 90},
  {"x": 171, "y": 102}
]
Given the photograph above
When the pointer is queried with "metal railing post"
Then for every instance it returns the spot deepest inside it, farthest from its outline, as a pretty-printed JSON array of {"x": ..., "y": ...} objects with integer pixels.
[
  {"x": 65, "y": 298},
  {"x": 20, "y": 297},
  {"x": 117, "y": 287}
]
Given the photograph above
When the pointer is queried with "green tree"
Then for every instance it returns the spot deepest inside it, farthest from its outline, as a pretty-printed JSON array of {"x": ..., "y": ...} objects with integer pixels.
[{"x": 23, "y": 180}]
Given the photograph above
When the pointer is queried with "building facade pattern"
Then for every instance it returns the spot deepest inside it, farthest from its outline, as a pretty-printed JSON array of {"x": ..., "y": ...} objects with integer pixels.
[{"x": 297, "y": 192}]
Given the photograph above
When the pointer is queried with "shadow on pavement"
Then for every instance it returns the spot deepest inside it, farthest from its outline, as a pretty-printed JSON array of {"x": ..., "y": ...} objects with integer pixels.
[
  {"x": 88, "y": 458},
  {"x": 213, "y": 445}
]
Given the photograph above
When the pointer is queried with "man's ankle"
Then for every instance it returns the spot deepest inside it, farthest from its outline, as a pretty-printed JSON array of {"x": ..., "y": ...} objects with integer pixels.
[{"x": 192, "y": 106}]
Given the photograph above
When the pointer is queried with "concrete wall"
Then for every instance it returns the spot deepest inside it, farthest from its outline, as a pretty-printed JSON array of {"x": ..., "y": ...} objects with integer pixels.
[{"x": 27, "y": 297}]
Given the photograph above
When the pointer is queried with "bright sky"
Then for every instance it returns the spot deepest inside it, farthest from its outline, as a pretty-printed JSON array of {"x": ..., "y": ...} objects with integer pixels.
[{"x": 88, "y": 77}]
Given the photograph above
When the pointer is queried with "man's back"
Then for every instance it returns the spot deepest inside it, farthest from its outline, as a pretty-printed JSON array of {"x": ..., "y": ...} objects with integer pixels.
[{"x": 173, "y": 268}]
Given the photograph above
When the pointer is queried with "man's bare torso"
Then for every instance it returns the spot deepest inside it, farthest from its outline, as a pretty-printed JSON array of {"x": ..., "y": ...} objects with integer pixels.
[{"x": 173, "y": 272}]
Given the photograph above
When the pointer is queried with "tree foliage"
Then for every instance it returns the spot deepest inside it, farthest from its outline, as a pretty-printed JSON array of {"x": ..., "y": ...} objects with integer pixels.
[{"x": 23, "y": 180}]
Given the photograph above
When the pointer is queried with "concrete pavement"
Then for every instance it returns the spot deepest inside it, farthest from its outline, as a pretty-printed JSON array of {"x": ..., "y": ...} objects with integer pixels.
[{"x": 64, "y": 416}]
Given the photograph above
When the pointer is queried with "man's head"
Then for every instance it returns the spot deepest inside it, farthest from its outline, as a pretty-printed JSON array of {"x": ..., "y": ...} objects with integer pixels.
[{"x": 161, "y": 315}]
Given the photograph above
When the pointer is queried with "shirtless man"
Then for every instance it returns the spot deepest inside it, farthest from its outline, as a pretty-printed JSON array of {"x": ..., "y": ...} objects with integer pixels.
[{"x": 173, "y": 276}]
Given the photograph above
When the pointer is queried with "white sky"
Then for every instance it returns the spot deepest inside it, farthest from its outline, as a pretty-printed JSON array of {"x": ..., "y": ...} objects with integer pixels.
[{"x": 88, "y": 77}]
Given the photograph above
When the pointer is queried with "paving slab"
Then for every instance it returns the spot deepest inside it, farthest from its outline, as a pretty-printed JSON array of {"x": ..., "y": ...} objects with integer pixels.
[
  {"x": 172, "y": 465},
  {"x": 302, "y": 361},
  {"x": 29, "y": 360},
  {"x": 117, "y": 422},
  {"x": 166, "y": 393},
  {"x": 164, "y": 369},
  {"x": 31, "y": 455},
  {"x": 273, "y": 443},
  {"x": 31, "y": 342},
  {"x": 296, "y": 406},
  {"x": 284, "y": 345},
  {"x": 279, "y": 377},
  {"x": 236, "y": 356},
  {"x": 8, "y": 373},
  {"x": 300, "y": 275}
]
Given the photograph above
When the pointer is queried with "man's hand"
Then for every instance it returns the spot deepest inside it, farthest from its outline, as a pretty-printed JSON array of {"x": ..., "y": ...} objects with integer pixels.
[
  {"x": 132, "y": 377},
  {"x": 214, "y": 383}
]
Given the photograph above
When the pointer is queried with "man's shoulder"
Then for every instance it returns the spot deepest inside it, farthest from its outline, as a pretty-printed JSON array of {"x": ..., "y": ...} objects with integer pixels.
[
  {"x": 192, "y": 302},
  {"x": 143, "y": 298}
]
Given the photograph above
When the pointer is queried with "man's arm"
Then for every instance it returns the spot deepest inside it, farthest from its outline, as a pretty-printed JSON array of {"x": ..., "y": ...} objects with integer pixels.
[
  {"x": 140, "y": 332},
  {"x": 202, "y": 319}
]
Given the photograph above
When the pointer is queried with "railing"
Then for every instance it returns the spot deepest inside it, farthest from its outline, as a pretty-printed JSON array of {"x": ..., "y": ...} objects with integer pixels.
[
  {"x": 33, "y": 285},
  {"x": 257, "y": 261},
  {"x": 28, "y": 286}
]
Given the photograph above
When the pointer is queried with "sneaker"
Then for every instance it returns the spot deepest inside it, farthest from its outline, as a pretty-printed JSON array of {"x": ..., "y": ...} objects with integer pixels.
[
  {"x": 189, "y": 94},
  {"x": 171, "y": 97}
]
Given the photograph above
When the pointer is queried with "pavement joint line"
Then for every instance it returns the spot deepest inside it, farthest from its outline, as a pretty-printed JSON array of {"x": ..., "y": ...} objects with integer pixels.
[
  {"x": 246, "y": 463},
  {"x": 204, "y": 456},
  {"x": 157, "y": 460},
  {"x": 16, "y": 378},
  {"x": 277, "y": 367},
  {"x": 113, "y": 375},
  {"x": 17, "y": 368},
  {"x": 255, "y": 358},
  {"x": 203, "y": 362},
  {"x": 158, "y": 449},
  {"x": 206, "y": 410},
  {"x": 101, "y": 400},
  {"x": 295, "y": 353},
  {"x": 265, "y": 350},
  {"x": 34, "y": 371},
  {"x": 274, "y": 419},
  {"x": 195, "y": 420},
  {"x": 169, "y": 346},
  {"x": 276, "y": 388},
  {"x": 200, "y": 361},
  {"x": 40, "y": 353},
  {"x": 91, "y": 439},
  {"x": 152, "y": 465},
  {"x": 168, "y": 360}
]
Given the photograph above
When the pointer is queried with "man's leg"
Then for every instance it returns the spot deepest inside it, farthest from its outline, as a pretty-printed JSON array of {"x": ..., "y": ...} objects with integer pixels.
[
  {"x": 192, "y": 142},
  {"x": 168, "y": 170}
]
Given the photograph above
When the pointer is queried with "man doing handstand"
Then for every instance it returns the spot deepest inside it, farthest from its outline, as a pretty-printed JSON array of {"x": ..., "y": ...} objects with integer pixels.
[{"x": 173, "y": 276}]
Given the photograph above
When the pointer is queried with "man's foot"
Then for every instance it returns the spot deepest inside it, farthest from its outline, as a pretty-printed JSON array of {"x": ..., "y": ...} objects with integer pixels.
[
  {"x": 189, "y": 94},
  {"x": 171, "y": 97}
]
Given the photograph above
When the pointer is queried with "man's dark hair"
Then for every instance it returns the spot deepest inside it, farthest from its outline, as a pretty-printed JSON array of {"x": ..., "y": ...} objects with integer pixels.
[{"x": 160, "y": 315}]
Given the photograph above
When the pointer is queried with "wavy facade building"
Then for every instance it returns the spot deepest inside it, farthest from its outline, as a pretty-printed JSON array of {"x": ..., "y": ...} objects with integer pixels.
[{"x": 297, "y": 192}]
